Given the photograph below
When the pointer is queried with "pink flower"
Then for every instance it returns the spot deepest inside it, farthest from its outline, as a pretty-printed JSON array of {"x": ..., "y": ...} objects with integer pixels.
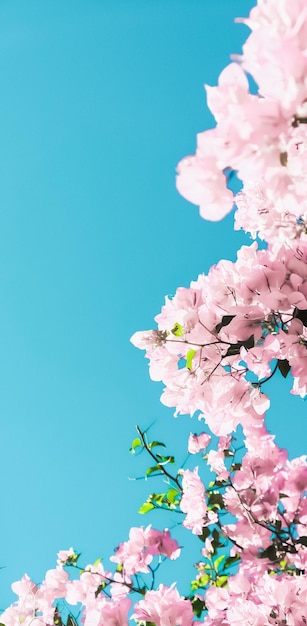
[
  {"x": 200, "y": 181},
  {"x": 164, "y": 607},
  {"x": 108, "y": 613},
  {"x": 217, "y": 465},
  {"x": 193, "y": 501},
  {"x": 144, "y": 543},
  {"x": 197, "y": 443}
]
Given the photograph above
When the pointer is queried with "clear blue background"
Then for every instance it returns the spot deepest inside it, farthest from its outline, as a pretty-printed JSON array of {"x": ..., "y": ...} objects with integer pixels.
[{"x": 99, "y": 100}]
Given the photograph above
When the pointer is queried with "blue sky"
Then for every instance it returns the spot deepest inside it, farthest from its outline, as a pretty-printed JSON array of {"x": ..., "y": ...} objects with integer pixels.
[{"x": 99, "y": 101}]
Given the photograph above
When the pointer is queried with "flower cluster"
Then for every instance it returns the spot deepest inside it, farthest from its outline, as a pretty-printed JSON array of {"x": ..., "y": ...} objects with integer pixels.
[
  {"x": 103, "y": 594},
  {"x": 243, "y": 318},
  {"x": 136, "y": 554},
  {"x": 260, "y": 136}
]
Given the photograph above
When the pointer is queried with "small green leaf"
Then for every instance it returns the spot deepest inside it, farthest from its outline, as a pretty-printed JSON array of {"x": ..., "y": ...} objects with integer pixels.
[
  {"x": 57, "y": 620},
  {"x": 226, "y": 319},
  {"x": 203, "y": 580},
  {"x": 160, "y": 498},
  {"x": 153, "y": 444},
  {"x": 136, "y": 443},
  {"x": 205, "y": 534},
  {"x": 301, "y": 315},
  {"x": 302, "y": 541},
  {"x": 284, "y": 367},
  {"x": 235, "y": 467},
  {"x": 221, "y": 581},
  {"x": 172, "y": 495},
  {"x": 236, "y": 347},
  {"x": 71, "y": 621},
  {"x": 178, "y": 330},
  {"x": 220, "y": 483},
  {"x": 219, "y": 561},
  {"x": 215, "y": 499},
  {"x": 194, "y": 585},
  {"x": 198, "y": 606},
  {"x": 97, "y": 562},
  {"x": 189, "y": 358},
  {"x": 231, "y": 560},
  {"x": 269, "y": 553},
  {"x": 151, "y": 470},
  {"x": 99, "y": 589},
  {"x": 163, "y": 460},
  {"x": 228, "y": 453},
  {"x": 146, "y": 507}
]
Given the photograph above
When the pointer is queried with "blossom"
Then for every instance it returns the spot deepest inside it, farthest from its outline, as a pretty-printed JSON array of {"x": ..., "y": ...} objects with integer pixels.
[
  {"x": 193, "y": 501},
  {"x": 164, "y": 607},
  {"x": 144, "y": 543},
  {"x": 197, "y": 443}
]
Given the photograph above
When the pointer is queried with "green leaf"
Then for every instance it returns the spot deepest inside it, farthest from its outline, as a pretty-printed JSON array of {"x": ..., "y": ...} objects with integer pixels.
[
  {"x": 301, "y": 315},
  {"x": 97, "y": 562},
  {"x": 269, "y": 553},
  {"x": 220, "y": 483},
  {"x": 178, "y": 330},
  {"x": 221, "y": 581},
  {"x": 235, "y": 467},
  {"x": 228, "y": 453},
  {"x": 194, "y": 585},
  {"x": 216, "y": 542},
  {"x": 284, "y": 367},
  {"x": 205, "y": 534},
  {"x": 189, "y": 358},
  {"x": 219, "y": 561},
  {"x": 71, "y": 621},
  {"x": 136, "y": 443},
  {"x": 203, "y": 580},
  {"x": 226, "y": 319},
  {"x": 153, "y": 444},
  {"x": 151, "y": 470},
  {"x": 57, "y": 620},
  {"x": 215, "y": 499},
  {"x": 236, "y": 347},
  {"x": 302, "y": 541},
  {"x": 231, "y": 560},
  {"x": 159, "y": 498},
  {"x": 198, "y": 606},
  {"x": 99, "y": 589},
  {"x": 163, "y": 460},
  {"x": 172, "y": 495},
  {"x": 145, "y": 508}
]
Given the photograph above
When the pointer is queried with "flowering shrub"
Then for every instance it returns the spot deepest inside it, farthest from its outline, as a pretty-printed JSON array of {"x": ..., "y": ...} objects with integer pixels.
[{"x": 216, "y": 345}]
